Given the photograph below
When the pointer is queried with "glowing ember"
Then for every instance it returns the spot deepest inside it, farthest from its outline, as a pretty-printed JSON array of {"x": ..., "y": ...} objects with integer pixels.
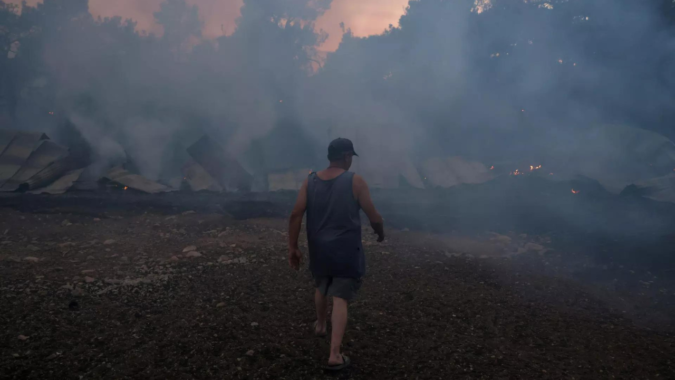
[
  {"x": 518, "y": 172},
  {"x": 493, "y": 167},
  {"x": 575, "y": 191},
  {"x": 51, "y": 112},
  {"x": 125, "y": 187}
]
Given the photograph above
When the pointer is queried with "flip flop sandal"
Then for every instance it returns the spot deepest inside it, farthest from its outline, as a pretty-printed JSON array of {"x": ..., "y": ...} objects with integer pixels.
[
  {"x": 346, "y": 362},
  {"x": 320, "y": 335}
]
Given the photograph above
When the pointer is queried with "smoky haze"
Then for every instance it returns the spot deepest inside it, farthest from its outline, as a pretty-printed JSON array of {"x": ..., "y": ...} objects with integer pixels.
[{"x": 506, "y": 83}]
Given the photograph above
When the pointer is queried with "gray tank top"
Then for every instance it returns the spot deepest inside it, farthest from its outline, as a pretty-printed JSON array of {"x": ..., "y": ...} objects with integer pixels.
[{"x": 334, "y": 228}]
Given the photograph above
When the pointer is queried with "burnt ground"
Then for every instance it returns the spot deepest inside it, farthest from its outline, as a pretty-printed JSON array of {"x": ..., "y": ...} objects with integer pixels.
[{"x": 89, "y": 291}]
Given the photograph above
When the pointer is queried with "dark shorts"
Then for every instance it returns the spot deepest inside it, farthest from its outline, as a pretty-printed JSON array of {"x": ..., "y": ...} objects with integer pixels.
[{"x": 341, "y": 287}]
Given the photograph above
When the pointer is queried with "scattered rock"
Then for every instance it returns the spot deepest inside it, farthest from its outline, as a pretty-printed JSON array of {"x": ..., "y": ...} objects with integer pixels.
[
  {"x": 23, "y": 337},
  {"x": 193, "y": 254},
  {"x": 33, "y": 248},
  {"x": 189, "y": 248},
  {"x": 254, "y": 324},
  {"x": 188, "y": 212},
  {"x": 97, "y": 220},
  {"x": 66, "y": 223},
  {"x": 77, "y": 292},
  {"x": 109, "y": 242},
  {"x": 173, "y": 259},
  {"x": 221, "y": 304},
  {"x": 124, "y": 259},
  {"x": 89, "y": 280},
  {"x": 88, "y": 271},
  {"x": 31, "y": 259},
  {"x": 250, "y": 353},
  {"x": 89, "y": 258},
  {"x": 240, "y": 260},
  {"x": 501, "y": 239},
  {"x": 533, "y": 247},
  {"x": 54, "y": 355}
]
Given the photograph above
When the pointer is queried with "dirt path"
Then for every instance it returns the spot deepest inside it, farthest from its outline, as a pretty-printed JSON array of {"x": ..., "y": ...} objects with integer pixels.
[{"x": 119, "y": 298}]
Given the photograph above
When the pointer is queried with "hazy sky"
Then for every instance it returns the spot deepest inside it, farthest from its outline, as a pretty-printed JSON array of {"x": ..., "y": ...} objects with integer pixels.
[{"x": 364, "y": 17}]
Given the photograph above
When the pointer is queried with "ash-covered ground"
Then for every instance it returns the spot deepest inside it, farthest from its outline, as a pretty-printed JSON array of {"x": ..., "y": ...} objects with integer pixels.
[{"x": 114, "y": 286}]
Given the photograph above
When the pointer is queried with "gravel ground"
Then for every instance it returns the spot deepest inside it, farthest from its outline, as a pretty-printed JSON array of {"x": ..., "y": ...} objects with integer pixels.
[{"x": 202, "y": 296}]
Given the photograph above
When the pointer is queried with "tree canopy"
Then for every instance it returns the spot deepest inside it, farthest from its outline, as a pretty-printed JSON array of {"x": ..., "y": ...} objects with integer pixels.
[{"x": 454, "y": 74}]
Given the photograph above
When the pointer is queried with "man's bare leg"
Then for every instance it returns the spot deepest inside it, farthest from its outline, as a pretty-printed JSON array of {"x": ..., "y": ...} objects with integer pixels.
[
  {"x": 339, "y": 324},
  {"x": 321, "y": 302}
]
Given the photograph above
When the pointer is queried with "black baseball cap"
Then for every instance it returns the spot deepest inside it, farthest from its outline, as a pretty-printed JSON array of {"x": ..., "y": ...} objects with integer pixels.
[{"x": 338, "y": 147}]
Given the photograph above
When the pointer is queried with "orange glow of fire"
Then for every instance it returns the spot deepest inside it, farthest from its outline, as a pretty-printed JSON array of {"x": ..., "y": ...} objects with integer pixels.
[
  {"x": 518, "y": 172},
  {"x": 575, "y": 191},
  {"x": 125, "y": 187},
  {"x": 493, "y": 167}
]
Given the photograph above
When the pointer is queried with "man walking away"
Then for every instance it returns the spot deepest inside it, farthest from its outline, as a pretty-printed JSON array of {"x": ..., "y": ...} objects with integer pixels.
[{"x": 332, "y": 199}]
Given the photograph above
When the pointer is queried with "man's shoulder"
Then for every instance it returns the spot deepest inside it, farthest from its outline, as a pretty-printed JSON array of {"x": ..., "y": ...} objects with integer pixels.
[{"x": 359, "y": 179}]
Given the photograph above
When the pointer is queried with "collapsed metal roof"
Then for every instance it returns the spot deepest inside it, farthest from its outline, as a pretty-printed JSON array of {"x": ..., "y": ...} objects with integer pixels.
[{"x": 17, "y": 147}]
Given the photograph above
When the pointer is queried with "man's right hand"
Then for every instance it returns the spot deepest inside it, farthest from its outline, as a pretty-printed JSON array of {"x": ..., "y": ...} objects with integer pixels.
[
  {"x": 294, "y": 258},
  {"x": 379, "y": 230}
]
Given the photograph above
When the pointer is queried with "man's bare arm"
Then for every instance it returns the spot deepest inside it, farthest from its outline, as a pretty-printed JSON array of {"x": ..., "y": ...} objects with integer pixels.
[
  {"x": 294, "y": 226},
  {"x": 362, "y": 194}
]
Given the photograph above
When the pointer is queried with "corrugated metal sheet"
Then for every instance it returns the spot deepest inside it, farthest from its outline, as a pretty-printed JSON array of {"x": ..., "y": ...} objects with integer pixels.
[
  {"x": 198, "y": 178},
  {"x": 17, "y": 153},
  {"x": 52, "y": 172},
  {"x": 62, "y": 184},
  {"x": 660, "y": 189},
  {"x": 46, "y": 154},
  {"x": 6, "y": 137},
  {"x": 220, "y": 165},
  {"x": 135, "y": 181}
]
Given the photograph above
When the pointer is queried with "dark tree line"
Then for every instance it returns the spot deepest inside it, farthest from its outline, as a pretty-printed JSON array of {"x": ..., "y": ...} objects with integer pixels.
[{"x": 447, "y": 70}]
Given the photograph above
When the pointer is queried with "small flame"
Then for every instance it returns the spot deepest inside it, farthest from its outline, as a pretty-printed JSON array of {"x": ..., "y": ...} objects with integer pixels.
[
  {"x": 517, "y": 172},
  {"x": 51, "y": 113},
  {"x": 493, "y": 167},
  {"x": 125, "y": 187},
  {"x": 575, "y": 191}
]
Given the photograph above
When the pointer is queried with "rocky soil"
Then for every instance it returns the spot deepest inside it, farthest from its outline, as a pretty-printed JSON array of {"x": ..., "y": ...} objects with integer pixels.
[{"x": 201, "y": 296}]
